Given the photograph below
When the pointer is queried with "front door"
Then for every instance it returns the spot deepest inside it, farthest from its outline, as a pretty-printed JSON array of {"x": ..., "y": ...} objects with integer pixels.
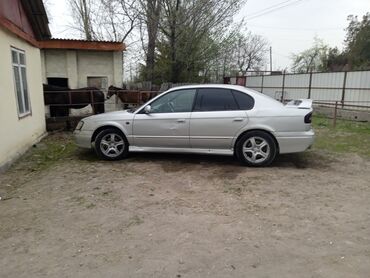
[
  {"x": 216, "y": 119},
  {"x": 167, "y": 123}
]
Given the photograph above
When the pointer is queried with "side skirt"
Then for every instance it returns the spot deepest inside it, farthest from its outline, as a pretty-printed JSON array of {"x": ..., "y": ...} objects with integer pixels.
[{"x": 182, "y": 150}]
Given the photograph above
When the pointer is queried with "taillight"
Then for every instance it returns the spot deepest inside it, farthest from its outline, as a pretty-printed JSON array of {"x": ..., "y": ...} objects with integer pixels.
[{"x": 308, "y": 118}]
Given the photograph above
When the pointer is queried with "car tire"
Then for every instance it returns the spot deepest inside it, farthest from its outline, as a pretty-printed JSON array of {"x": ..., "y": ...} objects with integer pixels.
[
  {"x": 111, "y": 144},
  {"x": 256, "y": 148}
]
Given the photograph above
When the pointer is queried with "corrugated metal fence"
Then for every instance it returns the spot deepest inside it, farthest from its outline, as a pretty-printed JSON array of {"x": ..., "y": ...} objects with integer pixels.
[{"x": 351, "y": 89}]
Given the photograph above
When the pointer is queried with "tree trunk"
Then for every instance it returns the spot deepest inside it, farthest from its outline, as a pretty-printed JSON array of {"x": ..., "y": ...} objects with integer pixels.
[
  {"x": 86, "y": 20},
  {"x": 173, "y": 29},
  {"x": 153, "y": 13}
]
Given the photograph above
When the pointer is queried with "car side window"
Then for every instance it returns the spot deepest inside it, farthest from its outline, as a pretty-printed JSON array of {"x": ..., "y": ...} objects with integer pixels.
[
  {"x": 245, "y": 102},
  {"x": 174, "y": 102},
  {"x": 215, "y": 99}
]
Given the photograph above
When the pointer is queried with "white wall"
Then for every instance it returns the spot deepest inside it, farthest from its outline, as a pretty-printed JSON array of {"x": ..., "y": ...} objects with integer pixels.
[
  {"x": 77, "y": 65},
  {"x": 18, "y": 134}
]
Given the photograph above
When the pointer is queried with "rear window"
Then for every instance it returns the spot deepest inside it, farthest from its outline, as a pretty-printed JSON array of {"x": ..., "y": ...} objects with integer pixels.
[{"x": 245, "y": 102}]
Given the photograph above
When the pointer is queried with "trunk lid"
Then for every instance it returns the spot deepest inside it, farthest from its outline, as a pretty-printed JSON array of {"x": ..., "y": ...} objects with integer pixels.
[{"x": 300, "y": 104}]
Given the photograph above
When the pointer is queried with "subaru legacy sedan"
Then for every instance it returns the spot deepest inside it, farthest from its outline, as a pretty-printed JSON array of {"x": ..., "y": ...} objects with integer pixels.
[{"x": 206, "y": 119}]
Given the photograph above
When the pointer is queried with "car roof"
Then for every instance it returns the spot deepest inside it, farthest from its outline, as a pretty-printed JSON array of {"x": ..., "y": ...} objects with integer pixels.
[
  {"x": 255, "y": 94},
  {"x": 223, "y": 86}
]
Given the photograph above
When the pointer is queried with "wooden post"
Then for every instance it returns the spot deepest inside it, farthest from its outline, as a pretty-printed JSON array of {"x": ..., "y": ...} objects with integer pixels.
[
  {"x": 282, "y": 88},
  {"x": 309, "y": 86},
  {"x": 263, "y": 75},
  {"x": 92, "y": 101},
  {"x": 335, "y": 114},
  {"x": 116, "y": 101},
  {"x": 344, "y": 88},
  {"x": 70, "y": 106},
  {"x": 270, "y": 59},
  {"x": 69, "y": 97},
  {"x": 92, "y": 97}
]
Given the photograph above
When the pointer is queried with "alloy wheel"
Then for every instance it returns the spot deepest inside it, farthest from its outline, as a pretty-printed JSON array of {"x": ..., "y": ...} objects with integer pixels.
[
  {"x": 112, "y": 145},
  {"x": 256, "y": 149}
]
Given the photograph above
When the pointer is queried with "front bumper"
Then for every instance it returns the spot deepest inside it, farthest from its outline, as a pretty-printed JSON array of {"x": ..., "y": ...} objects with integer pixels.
[
  {"x": 294, "y": 142},
  {"x": 83, "y": 138}
]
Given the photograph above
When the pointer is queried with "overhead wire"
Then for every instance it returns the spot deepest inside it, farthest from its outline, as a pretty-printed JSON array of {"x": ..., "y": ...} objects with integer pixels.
[
  {"x": 298, "y": 29},
  {"x": 270, "y": 7},
  {"x": 271, "y": 10}
]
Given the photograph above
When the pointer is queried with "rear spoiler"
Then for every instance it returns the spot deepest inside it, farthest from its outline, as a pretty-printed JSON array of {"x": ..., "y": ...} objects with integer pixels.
[{"x": 300, "y": 104}]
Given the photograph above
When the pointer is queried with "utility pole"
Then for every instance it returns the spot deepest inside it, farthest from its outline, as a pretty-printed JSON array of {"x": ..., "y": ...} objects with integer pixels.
[
  {"x": 130, "y": 71},
  {"x": 270, "y": 59}
]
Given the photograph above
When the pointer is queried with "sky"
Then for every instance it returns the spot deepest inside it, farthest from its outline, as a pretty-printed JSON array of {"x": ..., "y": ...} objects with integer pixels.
[
  {"x": 293, "y": 28},
  {"x": 289, "y": 26}
]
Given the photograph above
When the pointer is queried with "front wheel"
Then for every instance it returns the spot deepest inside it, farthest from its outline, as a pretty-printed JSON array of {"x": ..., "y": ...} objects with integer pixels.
[
  {"x": 111, "y": 144},
  {"x": 256, "y": 148}
]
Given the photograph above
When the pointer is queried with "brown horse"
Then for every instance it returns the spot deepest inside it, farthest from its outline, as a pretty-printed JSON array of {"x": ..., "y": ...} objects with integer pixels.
[
  {"x": 135, "y": 97},
  {"x": 61, "y": 99}
]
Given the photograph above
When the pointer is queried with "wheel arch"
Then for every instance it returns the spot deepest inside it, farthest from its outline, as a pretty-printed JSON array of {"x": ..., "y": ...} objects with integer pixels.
[
  {"x": 257, "y": 129},
  {"x": 106, "y": 126}
]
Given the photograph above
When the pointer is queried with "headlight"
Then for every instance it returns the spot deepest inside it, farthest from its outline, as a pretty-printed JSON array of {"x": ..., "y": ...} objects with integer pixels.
[{"x": 79, "y": 125}]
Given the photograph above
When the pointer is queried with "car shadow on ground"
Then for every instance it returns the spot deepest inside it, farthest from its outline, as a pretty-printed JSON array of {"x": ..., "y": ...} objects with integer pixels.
[{"x": 177, "y": 161}]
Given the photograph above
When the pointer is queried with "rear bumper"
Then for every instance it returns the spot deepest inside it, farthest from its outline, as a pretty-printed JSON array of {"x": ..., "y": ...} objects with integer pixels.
[
  {"x": 83, "y": 138},
  {"x": 294, "y": 142}
]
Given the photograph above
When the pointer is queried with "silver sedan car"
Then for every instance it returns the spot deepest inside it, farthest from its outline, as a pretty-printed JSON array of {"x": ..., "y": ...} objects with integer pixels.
[{"x": 206, "y": 119}]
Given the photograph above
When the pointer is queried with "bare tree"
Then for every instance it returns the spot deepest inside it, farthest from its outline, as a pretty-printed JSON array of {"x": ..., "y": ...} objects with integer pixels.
[
  {"x": 105, "y": 19},
  {"x": 249, "y": 51},
  {"x": 186, "y": 26},
  {"x": 234, "y": 52},
  {"x": 179, "y": 38},
  {"x": 169, "y": 27},
  {"x": 120, "y": 18},
  {"x": 151, "y": 11},
  {"x": 81, "y": 10}
]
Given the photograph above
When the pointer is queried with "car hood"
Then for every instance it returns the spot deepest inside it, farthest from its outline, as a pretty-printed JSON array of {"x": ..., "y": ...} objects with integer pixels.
[{"x": 111, "y": 116}]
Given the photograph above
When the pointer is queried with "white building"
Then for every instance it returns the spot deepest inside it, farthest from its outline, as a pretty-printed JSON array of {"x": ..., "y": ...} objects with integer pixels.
[
  {"x": 23, "y": 24},
  {"x": 79, "y": 63},
  {"x": 29, "y": 58}
]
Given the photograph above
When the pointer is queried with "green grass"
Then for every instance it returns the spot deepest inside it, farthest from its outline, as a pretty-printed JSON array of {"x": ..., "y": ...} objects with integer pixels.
[
  {"x": 346, "y": 137},
  {"x": 54, "y": 148}
]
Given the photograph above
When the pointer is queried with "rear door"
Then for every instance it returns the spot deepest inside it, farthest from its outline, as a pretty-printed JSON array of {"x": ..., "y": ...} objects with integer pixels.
[{"x": 216, "y": 119}]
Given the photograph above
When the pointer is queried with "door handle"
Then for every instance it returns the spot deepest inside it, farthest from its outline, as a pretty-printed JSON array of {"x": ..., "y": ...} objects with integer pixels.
[
  {"x": 181, "y": 120},
  {"x": 238, "y": 119}
]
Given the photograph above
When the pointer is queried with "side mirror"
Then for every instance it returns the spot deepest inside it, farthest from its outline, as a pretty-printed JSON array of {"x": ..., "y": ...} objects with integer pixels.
[{"x": 147, "y": 109}]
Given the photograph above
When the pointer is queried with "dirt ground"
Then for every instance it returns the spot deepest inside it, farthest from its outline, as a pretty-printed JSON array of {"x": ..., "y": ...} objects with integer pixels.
[{"x": 157, "y": 215}]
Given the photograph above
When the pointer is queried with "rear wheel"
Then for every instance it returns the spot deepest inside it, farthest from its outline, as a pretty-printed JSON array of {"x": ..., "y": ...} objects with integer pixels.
[
  {"x": 111, "y": 144},
  {"x": 256, "y": 148}
]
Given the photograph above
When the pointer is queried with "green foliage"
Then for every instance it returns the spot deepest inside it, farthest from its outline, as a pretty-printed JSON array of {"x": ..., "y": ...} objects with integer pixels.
[
  {"x": 311, "y": 59},
  {"x": 356, "y": 55},
  {"x": 358, "y": 42},
  {"x": 335, "y": 60}
]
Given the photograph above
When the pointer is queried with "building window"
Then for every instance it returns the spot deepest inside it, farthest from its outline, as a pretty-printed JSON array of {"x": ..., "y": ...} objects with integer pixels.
[
  {"x": 20, "y": 81},
  {"x": 97, "y": 82},
  {"x": 58, "y": 81}
]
